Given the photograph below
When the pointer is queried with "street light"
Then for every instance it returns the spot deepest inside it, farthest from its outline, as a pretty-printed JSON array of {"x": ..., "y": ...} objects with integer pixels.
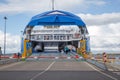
[
  {"x": 5, "y": 18},
  {"x": 21, "y": 43}
]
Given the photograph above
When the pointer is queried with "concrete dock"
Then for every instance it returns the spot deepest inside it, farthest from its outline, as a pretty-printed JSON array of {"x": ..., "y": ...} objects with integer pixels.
[{"x": 55, "y": 69}]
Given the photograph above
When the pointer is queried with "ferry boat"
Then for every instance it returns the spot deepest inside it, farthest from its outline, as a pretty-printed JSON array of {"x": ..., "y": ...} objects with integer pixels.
[{"x": 55, "y": 30}]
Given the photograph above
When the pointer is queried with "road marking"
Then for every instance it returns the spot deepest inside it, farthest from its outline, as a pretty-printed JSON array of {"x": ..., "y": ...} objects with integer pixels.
[
  {"x": 102, "y": 72},
  {"x": 43, "y": 71}
]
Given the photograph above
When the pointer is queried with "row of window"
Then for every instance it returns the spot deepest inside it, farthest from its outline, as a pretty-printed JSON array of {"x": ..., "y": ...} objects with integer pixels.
[
  {"x": 48, "y": 31},
  {"x": 51, "y": 37}
]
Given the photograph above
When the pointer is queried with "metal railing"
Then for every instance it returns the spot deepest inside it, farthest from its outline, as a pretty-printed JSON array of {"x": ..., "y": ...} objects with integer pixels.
[{"x": 98, "y": 64}]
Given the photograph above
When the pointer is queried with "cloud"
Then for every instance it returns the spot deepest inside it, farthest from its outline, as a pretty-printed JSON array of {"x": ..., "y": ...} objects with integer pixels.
[
  {"x": 101, "y": 19},
  {"x": 95, "y": 2},
  {"x": 12, "y": 42},
  {"x": 20, "y": 6},
  {"x": 105, "y": 40},
  {"x": 104, "y": 30}
]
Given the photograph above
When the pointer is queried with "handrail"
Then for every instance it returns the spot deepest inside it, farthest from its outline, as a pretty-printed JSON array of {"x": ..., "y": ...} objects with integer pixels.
[{"x": 98, "y": 64}]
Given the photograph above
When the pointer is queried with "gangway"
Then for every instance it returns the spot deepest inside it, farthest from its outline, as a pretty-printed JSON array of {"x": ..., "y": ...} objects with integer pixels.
[{"x": 52, "y": 55}]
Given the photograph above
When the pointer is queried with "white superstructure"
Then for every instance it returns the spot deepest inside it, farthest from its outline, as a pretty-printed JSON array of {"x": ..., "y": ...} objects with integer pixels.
[
  {"x": 55, "y": 37},
  {"x": 55, "y": 34}
]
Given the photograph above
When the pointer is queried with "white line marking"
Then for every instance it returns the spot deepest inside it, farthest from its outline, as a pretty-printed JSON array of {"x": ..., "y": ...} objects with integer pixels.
[
  {"x": 102, "y": 72},
  {"x": 43, "y": 71}
]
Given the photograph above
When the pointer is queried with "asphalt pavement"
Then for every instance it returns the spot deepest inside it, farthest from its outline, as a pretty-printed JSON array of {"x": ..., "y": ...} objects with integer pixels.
[{"x": 54, "y": 70}]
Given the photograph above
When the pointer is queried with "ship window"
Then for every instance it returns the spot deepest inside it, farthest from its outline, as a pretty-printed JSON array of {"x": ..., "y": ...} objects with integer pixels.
[
  {"x": 67, "y": 37},
  {"x": 50, "y": 37},
  {"x": 37, "y": 37},
  {"x": 56, "y": 37},
  {"x": 33, "y": 37},
  {"x": 46, "y": 37}
]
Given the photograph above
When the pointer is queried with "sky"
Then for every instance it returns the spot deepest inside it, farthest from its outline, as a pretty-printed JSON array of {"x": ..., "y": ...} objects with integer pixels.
[{"x": 102, "y": 18}]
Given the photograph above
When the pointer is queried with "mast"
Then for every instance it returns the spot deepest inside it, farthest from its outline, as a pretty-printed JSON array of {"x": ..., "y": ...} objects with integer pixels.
[{"x": 53, "y": 4}]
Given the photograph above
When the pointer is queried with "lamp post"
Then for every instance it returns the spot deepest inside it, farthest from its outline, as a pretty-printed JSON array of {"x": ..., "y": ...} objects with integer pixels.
[
  {"x": 21, "y": 43},
  {"x": 5, "y": 18}
]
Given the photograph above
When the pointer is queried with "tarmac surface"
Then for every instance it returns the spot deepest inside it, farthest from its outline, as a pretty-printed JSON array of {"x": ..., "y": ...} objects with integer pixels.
[{"x": 54, "y": 69}]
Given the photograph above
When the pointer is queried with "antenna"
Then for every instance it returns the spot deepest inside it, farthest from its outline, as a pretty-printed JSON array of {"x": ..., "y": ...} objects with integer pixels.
[{"x": 52, "y": 4}]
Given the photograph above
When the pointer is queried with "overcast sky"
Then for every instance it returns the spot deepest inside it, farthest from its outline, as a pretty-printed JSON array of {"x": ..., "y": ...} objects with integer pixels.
[{"x": 102, "y": 18}]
